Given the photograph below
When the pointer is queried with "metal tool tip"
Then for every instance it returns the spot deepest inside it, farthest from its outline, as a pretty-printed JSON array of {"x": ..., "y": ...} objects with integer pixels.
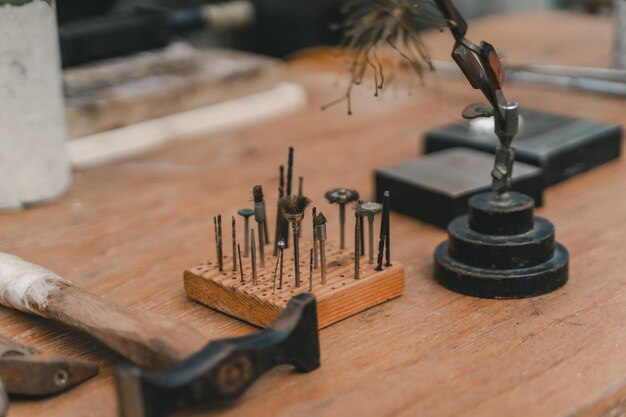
[
  {"x": 320, "y": 219},
  {"x": 257, "y": 192}
]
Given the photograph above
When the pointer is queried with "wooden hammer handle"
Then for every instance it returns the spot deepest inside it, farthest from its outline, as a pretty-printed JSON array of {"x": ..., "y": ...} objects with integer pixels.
[{"x": 149, "y": 340}]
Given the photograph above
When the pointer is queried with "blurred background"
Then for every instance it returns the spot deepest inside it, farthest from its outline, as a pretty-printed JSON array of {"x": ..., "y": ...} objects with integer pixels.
[{"x": 284, "y": 26}]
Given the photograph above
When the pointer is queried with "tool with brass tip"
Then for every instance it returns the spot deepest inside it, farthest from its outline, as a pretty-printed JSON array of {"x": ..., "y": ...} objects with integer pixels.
[
  {"x": 342, "y": 196},
  {"x": 225, "y": 368},
  {"x": 26, "y": 371}
]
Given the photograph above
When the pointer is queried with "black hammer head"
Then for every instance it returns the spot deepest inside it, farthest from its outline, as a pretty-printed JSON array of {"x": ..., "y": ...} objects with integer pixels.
[{"x": 225, "y": 368}]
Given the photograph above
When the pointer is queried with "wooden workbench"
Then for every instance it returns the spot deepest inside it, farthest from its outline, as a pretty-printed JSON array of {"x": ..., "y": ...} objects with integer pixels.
[{"x": 127, "y": 231}]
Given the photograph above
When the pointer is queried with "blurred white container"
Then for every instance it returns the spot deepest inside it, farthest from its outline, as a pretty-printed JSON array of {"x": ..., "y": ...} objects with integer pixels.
[
  {"x": 620, "y": 34},
  {"x": 33, "y": 159}
]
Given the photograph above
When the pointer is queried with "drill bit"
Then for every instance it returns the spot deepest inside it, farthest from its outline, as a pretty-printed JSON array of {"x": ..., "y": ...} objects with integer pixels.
[
  {"x": 362, "y": 226},
  {"x": 253, "y": 255},
  {"x": 243, "y": 281},
  {"x": 311, "y": 272},
  {"x": 275, "y": 272},
  {"x": 315, "y": 259},
  {"x": 383, "y": 236},
  {"x": 293, "y": 207},
  {"x": 279, "y": 217},
  {"x": 320, "y": 232},
  {"x": 386, "y": 215},
  {"x": 300, "y": 185},
  {"x": 370, "y": 209},
  {"x": 357, "y": 244},
  {"x": 342, "y": 196},
  {"x": 285, "y": 223},
  {"x": 259, "y": 216},
  {"x": 220, "y": 260},
  {"x": 246, "y": 213},
  {"x": 217, "y": 252},
  {"x": 234, "y": 245}
]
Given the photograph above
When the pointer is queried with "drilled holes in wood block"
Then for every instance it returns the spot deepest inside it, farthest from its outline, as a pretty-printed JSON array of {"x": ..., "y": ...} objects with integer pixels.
[{"x": 341, "y": 297}]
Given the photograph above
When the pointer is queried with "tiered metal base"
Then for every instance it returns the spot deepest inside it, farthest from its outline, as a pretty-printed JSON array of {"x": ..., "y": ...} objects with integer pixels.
[{"x": 500, "y": 250}]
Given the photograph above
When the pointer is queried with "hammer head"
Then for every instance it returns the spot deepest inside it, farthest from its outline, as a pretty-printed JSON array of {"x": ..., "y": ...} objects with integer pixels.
[{"x": 225, "y": 368}]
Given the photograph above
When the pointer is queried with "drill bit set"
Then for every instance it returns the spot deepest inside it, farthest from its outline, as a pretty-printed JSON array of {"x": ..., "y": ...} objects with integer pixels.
[{"x": 261, "y": 281}]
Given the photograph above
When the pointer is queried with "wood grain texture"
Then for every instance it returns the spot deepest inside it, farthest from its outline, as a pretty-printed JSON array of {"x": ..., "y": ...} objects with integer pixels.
[
  {"x": 341, "y": 297},
  {"x": 126, "y": 232},
  {"x": 149, "y": 340}
]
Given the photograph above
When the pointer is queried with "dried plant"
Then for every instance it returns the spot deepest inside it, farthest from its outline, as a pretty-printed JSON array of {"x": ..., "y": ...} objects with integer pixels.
[{"x": 371, "y": 24}]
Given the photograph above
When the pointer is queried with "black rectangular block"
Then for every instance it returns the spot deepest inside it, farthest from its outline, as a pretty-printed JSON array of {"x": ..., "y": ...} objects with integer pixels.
[
  {"x": 562, "y": 146},
  {"x": 437, "y": 187}
]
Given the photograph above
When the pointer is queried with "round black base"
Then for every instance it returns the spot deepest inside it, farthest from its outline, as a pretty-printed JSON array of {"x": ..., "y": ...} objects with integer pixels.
[{"x": 504, "y": 283}]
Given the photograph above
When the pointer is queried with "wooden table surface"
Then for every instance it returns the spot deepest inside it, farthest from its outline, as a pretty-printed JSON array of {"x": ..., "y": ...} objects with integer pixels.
[{"x": 128, "y": 230}]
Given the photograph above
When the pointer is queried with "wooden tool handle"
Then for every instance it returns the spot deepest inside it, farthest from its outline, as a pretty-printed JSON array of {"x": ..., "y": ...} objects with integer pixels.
[
  {"x": 149, "y": 340},
  {"x": 146, "y": 339}
]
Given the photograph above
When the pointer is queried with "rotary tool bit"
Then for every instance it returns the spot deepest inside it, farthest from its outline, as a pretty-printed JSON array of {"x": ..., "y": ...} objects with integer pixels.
[
  {"x": 370, "y": 209},
  {"x": 234, "y": 238},
  {"x": 279, "y": 215},
  {"x": 243, "y": 281},
  {"x": 253, "y": 257},
  {"x": 320, "y": 232},
  {"x": 342, "y": 196},
  {"x": 311, "y": 272},
  {"x": 293, "y": 207},
  {"x": 315, "y": 258},
  {"x": 220, "y": 253},
  {"x": 246, "y": 213},
  {"x": 259, "y": 216},
  {"x": 357, "y": 245}
]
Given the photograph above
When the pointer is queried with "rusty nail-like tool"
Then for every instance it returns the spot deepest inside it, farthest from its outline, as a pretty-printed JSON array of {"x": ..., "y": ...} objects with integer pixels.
[{"x": 224, "y": 369}]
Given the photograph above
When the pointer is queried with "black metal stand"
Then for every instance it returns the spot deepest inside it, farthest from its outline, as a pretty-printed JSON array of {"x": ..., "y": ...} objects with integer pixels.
[{"x": 500, "y": 250}]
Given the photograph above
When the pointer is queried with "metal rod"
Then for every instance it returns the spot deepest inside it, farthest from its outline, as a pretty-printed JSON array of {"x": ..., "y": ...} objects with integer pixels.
[
  {"x": 279, "y": 215},
  {"x": 386, "y": 215},
  {"x": 288, "y": 192},
  {"x": 247, "y": 240},
  {"x": 253, "y": 255},
  {"x": 362, "y": 226},
  {"x": 234, "y": 226},
  {"x": 315, "y": 257},
  {"x": 240, "y": 264},
  {"x": 300, "y": 185},
  {"x": 275, "y": 272},
  {"x": 381, "y": 243},
  {"x": 259, "y": 216},
  {"x": 320, "y": 232},
  {"x": 342, "y": 224},
  {"x": 282, "y": 258},
  {"x": 220, "y": 260},
  {"x": 217, "y": 251},
  {"x": 357, "y": 245},
  {"x": 296, "y": 252},
  {"x": 311, "y": 272},
  {"x": 370, "y": 221}
]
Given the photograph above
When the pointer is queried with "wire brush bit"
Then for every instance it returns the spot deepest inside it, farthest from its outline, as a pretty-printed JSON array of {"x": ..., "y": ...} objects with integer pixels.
[{"x": 371, "y": 24}]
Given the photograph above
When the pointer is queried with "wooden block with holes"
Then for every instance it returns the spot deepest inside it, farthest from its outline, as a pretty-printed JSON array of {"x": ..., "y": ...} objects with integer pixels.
[{"x": 341, "y": 297}]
